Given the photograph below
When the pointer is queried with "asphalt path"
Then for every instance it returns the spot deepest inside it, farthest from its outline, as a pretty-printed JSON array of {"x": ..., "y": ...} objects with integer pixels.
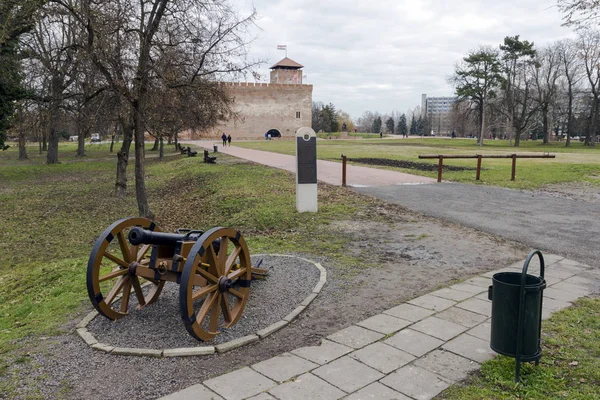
[{"x": 567, "y": 227}]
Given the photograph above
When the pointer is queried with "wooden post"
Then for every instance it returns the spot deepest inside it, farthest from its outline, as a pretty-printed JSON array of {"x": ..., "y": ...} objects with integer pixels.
[
  {"x": 343, "y": 170},
  {"x": 514, "y": 167},
  {"x": 478, "y": 167},
  {"x": 440, "y": 165}
]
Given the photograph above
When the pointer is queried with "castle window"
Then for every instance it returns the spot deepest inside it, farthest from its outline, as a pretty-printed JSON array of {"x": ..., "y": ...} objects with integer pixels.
[{"x": 298, "y": 114}]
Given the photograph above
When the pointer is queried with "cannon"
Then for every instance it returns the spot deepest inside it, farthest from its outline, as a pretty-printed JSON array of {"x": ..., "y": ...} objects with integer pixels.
[{"x": 213, "y": 270}]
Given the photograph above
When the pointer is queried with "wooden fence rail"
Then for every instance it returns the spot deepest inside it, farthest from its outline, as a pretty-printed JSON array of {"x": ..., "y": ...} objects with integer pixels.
[{"x": 514, "y": 157}]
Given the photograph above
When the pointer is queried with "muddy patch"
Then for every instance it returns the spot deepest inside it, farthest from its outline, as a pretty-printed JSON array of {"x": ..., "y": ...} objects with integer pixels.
[
  {"x": 583, "y": 191},
  {"x": 408, "y": 164}
]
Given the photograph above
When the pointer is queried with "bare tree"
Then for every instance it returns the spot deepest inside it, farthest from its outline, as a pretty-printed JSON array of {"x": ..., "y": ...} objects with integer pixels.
[
  {"x": 572, "y": 74},
  {"x": 124, "y": 36},
  {"x": 545, "y": 77},
  {"x": 589, "y": 46}
]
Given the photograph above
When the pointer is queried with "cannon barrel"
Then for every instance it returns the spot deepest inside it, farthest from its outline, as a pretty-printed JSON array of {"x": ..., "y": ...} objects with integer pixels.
[{"x": 139, "y": 236}]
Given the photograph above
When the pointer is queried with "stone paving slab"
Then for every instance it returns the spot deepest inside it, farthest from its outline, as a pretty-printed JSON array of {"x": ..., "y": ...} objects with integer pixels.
[
  {"x": 382, "y": 357},
  {"x": 557, "y": 294},
  {"x": 284, "y": 367},
  {"x": 575, "y": 289},
  {"x": 348, "y": 374},
  {"x": 262, "y": 396},
  {"x": 384, "y": 323},
  {"x": 558, "y": 273},
  {"x": 326, "y": 352},
  {"x": 409, "y": 312},
  {"x": 240, "y": 384},
  {"x": 465, "y": 287},
  {"x": 195, "y": 392},
  {"x": 470, "y": 347},
  {"x": 432, "y": 302},
  {"x": 355, "y": 337},
  {"x": 479, "y": 281},
  {"x": 555, "y": 305},
  {"x": 307, "y": 387},
  {"x": 477, "y": 306},
  {"x": 482, "y": 331},
  {"x": 447, "y": 365},
  {"x": 416, "y": 382},
  {"x": 438, "y": 328},
  {"x": 377, "y": 391},
  {"x": 413, "y": 342},
  {"x": 451, "y": 294},
  {"x": 461, "y": 316},
  {"x": 580, "y": 281}
]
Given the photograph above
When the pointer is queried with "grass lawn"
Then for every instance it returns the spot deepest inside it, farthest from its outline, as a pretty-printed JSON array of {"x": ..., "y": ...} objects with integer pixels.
[
  {"x": 52, "y": 214},
  {"x": 575, "y": 164},
  {"x": 569, "y": 368}
]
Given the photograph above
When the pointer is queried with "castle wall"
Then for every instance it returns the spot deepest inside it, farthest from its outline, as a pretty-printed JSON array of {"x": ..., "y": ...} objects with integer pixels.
[{"x": 264, "y": 106}]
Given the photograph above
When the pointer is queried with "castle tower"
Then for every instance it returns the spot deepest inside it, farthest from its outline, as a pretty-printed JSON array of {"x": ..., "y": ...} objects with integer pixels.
[{"x": 287, "y": 71}]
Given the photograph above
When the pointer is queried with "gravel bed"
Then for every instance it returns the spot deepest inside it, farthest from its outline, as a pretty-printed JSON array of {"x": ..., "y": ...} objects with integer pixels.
[{"x": 159, "y": 326}]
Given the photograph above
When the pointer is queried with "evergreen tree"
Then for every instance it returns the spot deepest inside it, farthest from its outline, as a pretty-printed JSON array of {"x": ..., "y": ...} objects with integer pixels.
[
  {"x": 389, "y": 124},
  {"x": 402, "y": 129},
  {"x": 377, "y": 125},
  {"x": 413, "y": 126}
]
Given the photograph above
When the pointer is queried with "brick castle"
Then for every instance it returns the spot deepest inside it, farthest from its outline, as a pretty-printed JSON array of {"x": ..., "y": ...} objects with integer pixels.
[{"x": 280, "y": 107}]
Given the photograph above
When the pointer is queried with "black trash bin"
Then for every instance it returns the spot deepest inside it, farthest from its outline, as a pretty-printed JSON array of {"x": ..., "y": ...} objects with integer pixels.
[
  {"x": 215, "y": 148},
  {"x": 517, "y": 313}
]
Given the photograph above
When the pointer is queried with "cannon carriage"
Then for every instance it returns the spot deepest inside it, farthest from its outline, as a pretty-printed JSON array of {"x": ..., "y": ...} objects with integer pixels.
[{"x": 132, "y": 257}]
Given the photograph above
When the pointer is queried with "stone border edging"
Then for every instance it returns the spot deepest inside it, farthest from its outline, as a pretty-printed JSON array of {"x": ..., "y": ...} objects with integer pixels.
[{"x": 90, "y": 340}]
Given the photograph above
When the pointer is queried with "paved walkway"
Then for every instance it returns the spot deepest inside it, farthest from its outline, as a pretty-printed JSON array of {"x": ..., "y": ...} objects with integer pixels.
[
  {"x": 327, "y": 171},
  {"x": 412, "y": 351}
]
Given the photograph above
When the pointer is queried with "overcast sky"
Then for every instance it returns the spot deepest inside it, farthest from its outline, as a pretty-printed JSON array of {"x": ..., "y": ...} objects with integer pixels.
[{"x": 382, "y": 55}]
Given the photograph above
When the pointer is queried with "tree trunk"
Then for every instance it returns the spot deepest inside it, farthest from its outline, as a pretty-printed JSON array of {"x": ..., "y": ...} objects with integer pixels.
[
  {"x": 54, "y": 137},
  {"x": 161, "y": 149},
  {"x": 140, "y": 177},
  {"x": 122, "y": 159},
  {"x": 81, "y": 140},
  {"x": 176, "y": 140},
  {"x": 481, "y": 123},
  {"x": 517, "y": 137},
  {"x": 44, "y": 142},
  {"x": 112, "y": 142},
  {"x": 155, "y": 147},
  {"x": 170, "y": 140},
  {"x": 569, "y": 117},
  {"x": 22, "y": 148},
  {"x": 545, "y": 123}
]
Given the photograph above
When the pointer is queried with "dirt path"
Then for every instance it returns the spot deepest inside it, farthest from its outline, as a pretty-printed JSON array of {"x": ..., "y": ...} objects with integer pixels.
[{"x": 561, "y": 224}]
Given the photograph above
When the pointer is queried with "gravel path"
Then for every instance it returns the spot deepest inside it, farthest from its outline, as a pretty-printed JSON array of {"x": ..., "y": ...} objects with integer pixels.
[
  {"x": 159, "y": 326},
  {"x": 563, "y": 226}
]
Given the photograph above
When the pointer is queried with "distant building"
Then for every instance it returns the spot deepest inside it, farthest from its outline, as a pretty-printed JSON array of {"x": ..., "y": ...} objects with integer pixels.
[
  {"x": 280, "y": 107},
  {"x": 437, "y": 111}
]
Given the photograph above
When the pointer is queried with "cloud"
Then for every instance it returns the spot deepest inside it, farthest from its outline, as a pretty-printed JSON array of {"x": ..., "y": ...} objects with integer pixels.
[{"x": 381, "y": 56}]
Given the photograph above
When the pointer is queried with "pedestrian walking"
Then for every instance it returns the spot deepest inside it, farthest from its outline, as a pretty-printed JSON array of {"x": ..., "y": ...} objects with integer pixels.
[
  {"x": 229, "y": 140},
  {"x": 224, "y": 139}
]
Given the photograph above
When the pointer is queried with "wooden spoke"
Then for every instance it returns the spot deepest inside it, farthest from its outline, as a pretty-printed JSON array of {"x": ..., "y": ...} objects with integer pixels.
[
  {"x": 126, "y": 295},
  {"x": 142, "y": 253},
  {"x": 115, "y": 290},
  {"x": 236, "y": 274},
  {"x": 112, "y": 249},
  {"x": 236, "y": 293},
  {"x": 206, "y": 306},
  {"x": 212, "y": 260},
  {"x": 223, "y": 254},
  {"x": 113, "y": 274},
  {"x": 204, "y": 263},
  {"x": 203, "y": 292},
  {"x": 115, "y": 259},
  {"x": 231, "y": 260},
  {"x": 226, "y": 309},
  {"x": 124, "y": 247},
  {"x": 207, "y": 275},
  {"x": 214, "y": 315},
  {"x": 138, "y": 291}
]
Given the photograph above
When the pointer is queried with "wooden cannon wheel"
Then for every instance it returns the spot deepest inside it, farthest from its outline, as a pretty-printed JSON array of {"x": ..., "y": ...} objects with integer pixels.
[
  {"x": 108, "y": 269},
  {"x": 228, "y": 273}
]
